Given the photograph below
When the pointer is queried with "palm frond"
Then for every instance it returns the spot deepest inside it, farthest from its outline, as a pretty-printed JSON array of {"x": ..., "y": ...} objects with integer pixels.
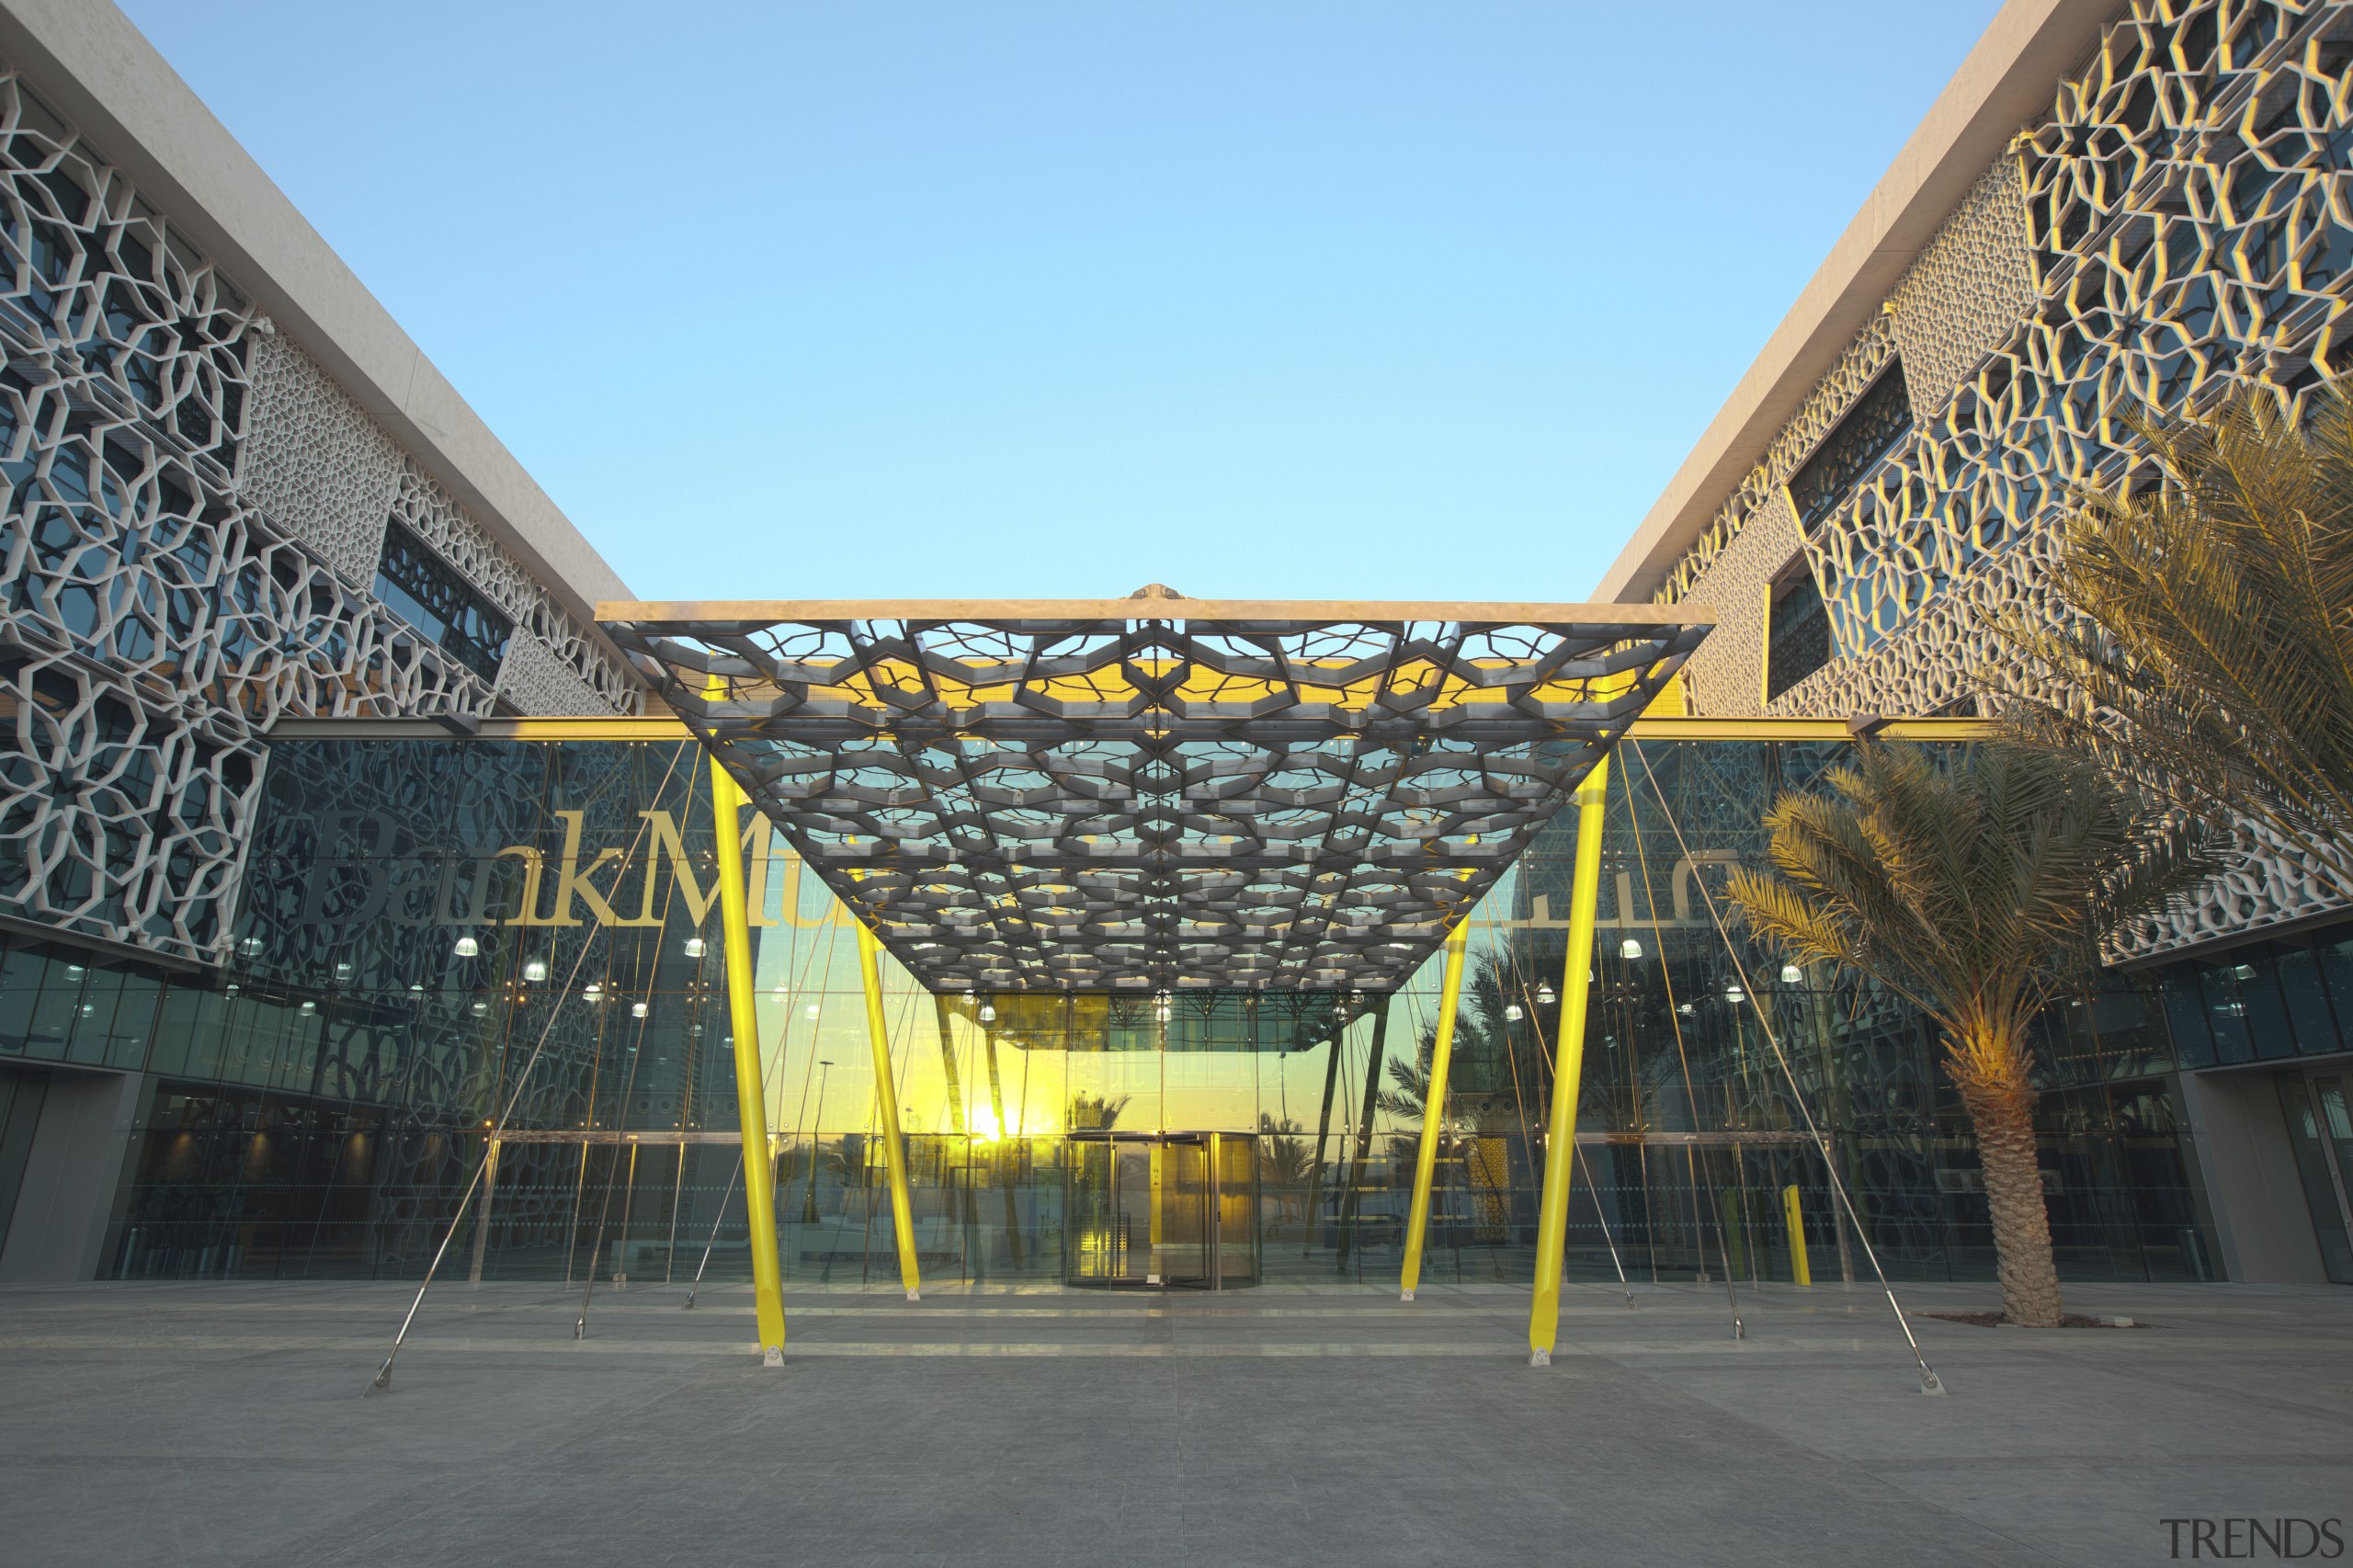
[
  {"x": 1975, "y": 889},
  {"x": 2212, "y": 648}
]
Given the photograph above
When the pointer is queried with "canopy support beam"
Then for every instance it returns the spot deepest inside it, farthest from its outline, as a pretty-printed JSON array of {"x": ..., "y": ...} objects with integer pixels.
[
  {"x": 886, "y": 1095},
  {"x": 1433, "y": 1109},
  {"x": 1568, "y": 1068},
  {"x": 751, "y": 1087}
]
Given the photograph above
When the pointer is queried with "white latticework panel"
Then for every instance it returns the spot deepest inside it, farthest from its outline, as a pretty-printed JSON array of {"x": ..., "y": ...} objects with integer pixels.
[
  {"x": 1967, "y": 291},
  {"x": 160, "y": 620},
  {"x": 124, "y": 557},
  {"x": 1958, "y": 301},
  {"x": 98, "y": 290},
  {"x": 545, "y": 686},
  {"x": 1931, "y": 664},
  {"x": 2177, "y": 227},
  {"x": 436, "y": 517},
  {"x": 2271, "y": 884},
  {"x": 116, "y": 820},
  {"x": 1831, "y": 396},
  {"x": 2183, "y": 211},
  {"x": 315, "y": 463},
  {"x": 1725, "y": 677}
]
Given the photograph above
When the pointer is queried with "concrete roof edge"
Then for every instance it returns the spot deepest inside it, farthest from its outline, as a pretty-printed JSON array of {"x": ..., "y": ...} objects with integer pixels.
[
  {"x": 2009, "y": 77},
  {"x": 95, "y": 68}
]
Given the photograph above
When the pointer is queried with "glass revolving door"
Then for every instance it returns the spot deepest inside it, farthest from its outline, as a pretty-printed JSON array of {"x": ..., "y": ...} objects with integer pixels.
[{"x": 1161, "y": 1209}]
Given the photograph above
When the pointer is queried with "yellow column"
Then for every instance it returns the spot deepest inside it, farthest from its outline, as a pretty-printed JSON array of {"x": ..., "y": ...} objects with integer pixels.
[
  {"x": 1793, "y": 1217},
  {"x": 759, "y": 1165},
  {"x": 1561, "y": 1132},
  {"x": 894, "y": 1150},
  {"x": 1433, "y": 1109}
]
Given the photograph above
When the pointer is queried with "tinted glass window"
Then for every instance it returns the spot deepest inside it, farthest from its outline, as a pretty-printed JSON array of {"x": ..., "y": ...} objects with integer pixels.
[
  {"x": 1880, "y": 417},
  {"x": 422, "y": 589}
]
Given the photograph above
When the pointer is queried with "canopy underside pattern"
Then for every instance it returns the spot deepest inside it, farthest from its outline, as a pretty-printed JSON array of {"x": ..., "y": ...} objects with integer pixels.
[{"x": 1157, "y": 794}]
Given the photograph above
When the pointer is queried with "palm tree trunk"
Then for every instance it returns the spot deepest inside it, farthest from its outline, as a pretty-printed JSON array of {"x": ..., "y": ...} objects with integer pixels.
[{"x": 2003, "y": 1116}]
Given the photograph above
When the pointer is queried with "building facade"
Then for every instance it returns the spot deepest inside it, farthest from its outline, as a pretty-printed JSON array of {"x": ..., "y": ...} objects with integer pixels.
[
  {"x": 205, "y": 534},
  {"x": 231, "y": 492},
  {"x": 447, "y": 942},
  {"x": 2111, "y": 208},
  {"x": 335, "y": 865}
]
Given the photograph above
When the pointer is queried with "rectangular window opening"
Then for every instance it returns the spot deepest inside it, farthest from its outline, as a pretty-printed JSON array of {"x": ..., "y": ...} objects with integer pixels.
[
  {"x": 1880, "y": 418},
  {"x": 1797, "y": 628},
  {"x": 424, "y": 590}
]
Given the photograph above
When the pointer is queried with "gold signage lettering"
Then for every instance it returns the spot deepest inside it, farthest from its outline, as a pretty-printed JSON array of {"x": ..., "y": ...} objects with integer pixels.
[
  {"x": 533, "y": 863},
  {"x": 1687, "y": 871},
  {"x": 791, "y": 901},
  {"x": 1684, "y": 876},
  {"x": 757, "y": 834},
  {"x": 467, "y": 878},
  {"x": 667, "y": 844},
  {"x": 572, "y": 880}
]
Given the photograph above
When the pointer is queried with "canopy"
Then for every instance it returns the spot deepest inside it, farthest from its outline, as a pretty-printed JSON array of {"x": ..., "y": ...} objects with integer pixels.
[{"x": 1157, "y": 792}]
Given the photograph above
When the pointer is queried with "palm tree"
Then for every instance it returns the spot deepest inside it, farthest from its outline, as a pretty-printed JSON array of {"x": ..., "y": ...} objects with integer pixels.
[
  {"x": 1979, "y": 891},
  {"x": 1494, "y": 1091},
  {"x": 1283, "y": 1157},
  {"x": 2216, "y": 654},
  {"x": 1493, "y": 1086},
  {"x": 1096, "y": 1111},
  {"x": 1411, "y": 1089}
]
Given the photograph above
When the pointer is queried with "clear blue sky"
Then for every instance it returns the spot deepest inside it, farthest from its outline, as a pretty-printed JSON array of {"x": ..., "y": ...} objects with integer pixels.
[{"x": 1281, "y": 299}]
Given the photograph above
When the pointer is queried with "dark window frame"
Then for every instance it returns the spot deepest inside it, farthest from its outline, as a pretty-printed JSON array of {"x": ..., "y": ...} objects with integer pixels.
[
  {"x": 1870, "y": 429},
  {"x": 1798, "y": 646},
  {"x": 427, "y": 593}
]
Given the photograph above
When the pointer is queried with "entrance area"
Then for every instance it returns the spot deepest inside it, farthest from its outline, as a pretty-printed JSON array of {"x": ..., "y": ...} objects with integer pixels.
[
  {"x": 2321, "y": 1127},
  {"x": 1162, "y": 1209}
]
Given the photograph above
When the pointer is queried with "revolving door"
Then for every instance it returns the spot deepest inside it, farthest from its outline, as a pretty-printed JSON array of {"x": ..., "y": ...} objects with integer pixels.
[{"x": 1162, "y": 1209}]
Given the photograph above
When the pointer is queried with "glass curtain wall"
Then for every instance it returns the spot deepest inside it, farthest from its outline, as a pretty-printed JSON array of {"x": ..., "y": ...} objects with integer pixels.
[
  {"x": 444, "y": 940},
  {"x": 1700, "y": 1045}
]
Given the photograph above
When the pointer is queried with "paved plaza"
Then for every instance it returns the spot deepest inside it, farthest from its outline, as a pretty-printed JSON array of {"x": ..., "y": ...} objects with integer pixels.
[{"x": 223, "y": 1424}]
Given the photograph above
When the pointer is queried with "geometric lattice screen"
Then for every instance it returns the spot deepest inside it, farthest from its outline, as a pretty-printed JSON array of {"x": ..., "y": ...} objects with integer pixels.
[
  {"x": 2176, "y": 225},
  {"x": 167, "y": 459},
  {"x": 1157, "y": 792}
]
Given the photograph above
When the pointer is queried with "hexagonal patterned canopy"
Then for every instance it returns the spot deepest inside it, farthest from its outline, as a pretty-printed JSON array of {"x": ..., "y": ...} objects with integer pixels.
[{"x": 1157, "y": 792}]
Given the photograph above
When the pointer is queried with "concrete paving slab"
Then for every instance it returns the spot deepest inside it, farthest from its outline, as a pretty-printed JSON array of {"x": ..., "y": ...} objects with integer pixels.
[{"x": 220, "y": 1425}]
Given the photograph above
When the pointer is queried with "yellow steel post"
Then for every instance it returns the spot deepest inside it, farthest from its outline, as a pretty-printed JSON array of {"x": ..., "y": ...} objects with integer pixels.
[
  {"x": 894, "y": 1151},
  {"x": 759, "y": 1169},
  {"x": 1793, "y": 1217},
  {"x": 1561, "y": 1131},
  {"x": 1433, "y": 1109}
]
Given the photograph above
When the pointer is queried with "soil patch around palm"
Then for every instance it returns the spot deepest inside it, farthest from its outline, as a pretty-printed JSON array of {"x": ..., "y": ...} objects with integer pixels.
[{"x": 2070, "y": 1320}]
